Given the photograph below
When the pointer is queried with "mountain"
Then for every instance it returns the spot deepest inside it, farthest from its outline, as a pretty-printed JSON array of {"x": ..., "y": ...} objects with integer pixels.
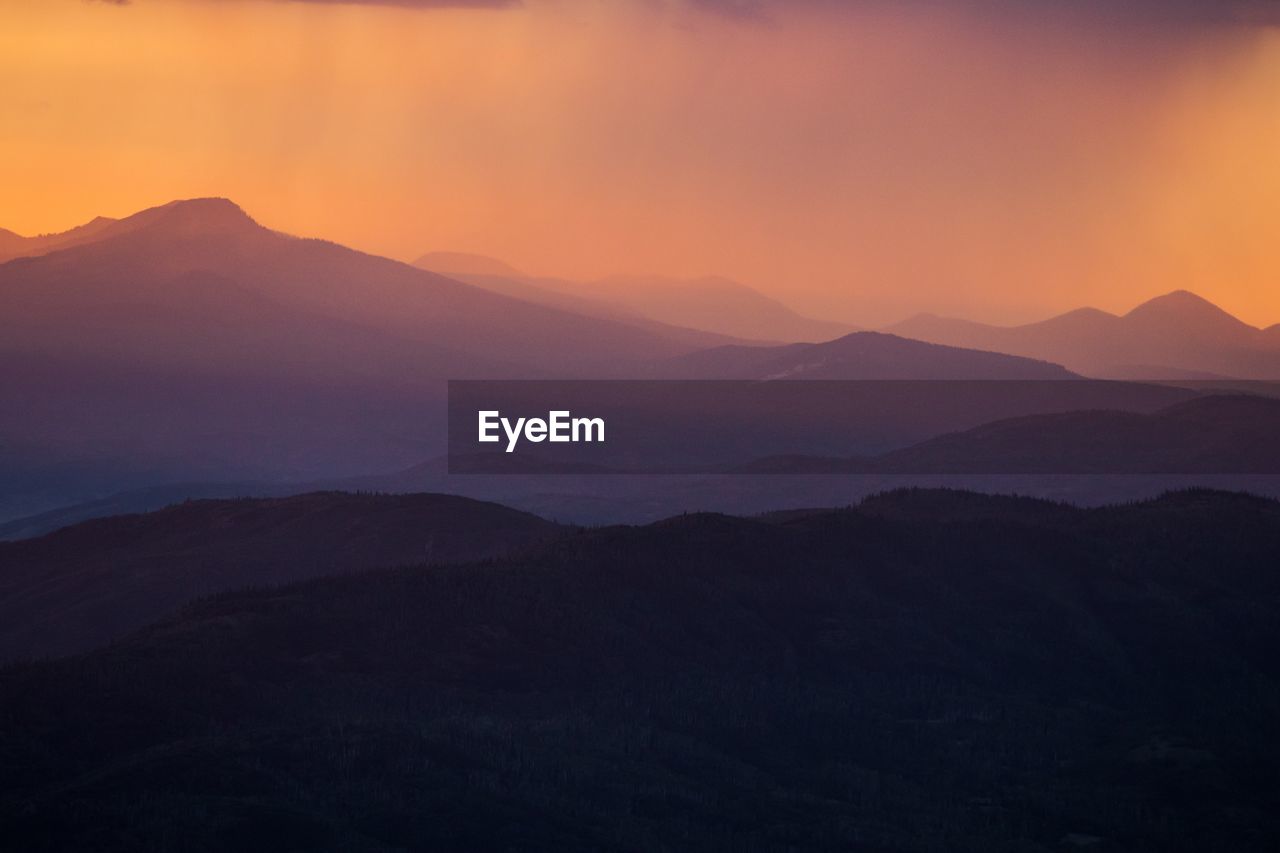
[
  {"x": 545, "y": 292},
  {"x": 212, "y": 249},
  {"x": 134, "y": 501},
  {"x": 716, "y": 304},
  {"x": 861, "y": 355},
  {"x": 1213, "y": 434},
  {"x": 1176, "y": 336},
  {"x": 465, "y": 263},
  {"x": 10, "y": 243},
  {"x": 187, "y": 342},
  {"x": 926, "y": 671},
  {"x": 712, "y": 304},
  {"x": 87, "y": 584},
  {"x": 16, "y": 246},
  {"x": 550, "y": 292}
]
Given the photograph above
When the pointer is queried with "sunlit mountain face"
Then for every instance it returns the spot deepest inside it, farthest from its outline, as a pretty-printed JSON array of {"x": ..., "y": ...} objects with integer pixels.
[{"x": 995, "y": 160}]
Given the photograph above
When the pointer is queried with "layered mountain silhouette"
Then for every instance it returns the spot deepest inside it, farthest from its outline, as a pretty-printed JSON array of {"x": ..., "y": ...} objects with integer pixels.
[
  {"x": 1214, "y": 434},
  {"x": 546, "y": 292},
  {"x": 188, "y": 342},
  {"x": 84, "y": 585},
  {"x": 1176, "y": 336},
  {"x": 16, "y": 246},
  {"x": 210, "y": 253},
  {"x": 926, "y": 671},
  {"x": 467, "y": 263},
  {"x": 714, "y": 304},
  {"x": 861, "y": 355}
]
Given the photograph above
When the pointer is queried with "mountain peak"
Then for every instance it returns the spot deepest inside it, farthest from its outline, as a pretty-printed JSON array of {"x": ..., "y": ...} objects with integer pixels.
[
  {"x": 209, "y": 210},
  {"x": 1087, "y": 313},
  {"x": 1178, "y": 303},
  {"x": 862, "y": 356},
  {"x": 201, "y": 215}
]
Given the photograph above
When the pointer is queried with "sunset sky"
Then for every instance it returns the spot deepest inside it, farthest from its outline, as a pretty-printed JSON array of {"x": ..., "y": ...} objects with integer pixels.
[{"x": 996, "y": 159}]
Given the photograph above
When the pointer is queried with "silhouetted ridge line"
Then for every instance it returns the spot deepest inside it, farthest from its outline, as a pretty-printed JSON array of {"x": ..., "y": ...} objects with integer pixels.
[
  {"x": 1179, "y": 335},
  {"x": 76, "y": 588},
  {"x": 839, "y": 680}
]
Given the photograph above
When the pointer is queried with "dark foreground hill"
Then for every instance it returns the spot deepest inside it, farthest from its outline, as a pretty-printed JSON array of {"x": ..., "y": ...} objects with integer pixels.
[
  {"x": 81, "y": 586},
  {"x": 930, "y": 671}
]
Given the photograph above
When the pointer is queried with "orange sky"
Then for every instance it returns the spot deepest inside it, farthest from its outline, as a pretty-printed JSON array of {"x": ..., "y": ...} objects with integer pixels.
[{"x": 861, "y": 165}]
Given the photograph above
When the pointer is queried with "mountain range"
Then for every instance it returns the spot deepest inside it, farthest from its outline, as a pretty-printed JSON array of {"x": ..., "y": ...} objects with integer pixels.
[
  {"x": 16, "y": 246},
  {"x": 86, "y": 584},
  {"x": 1213, "y": 434},
  {"x": 712, "y": 303},
  {"x": 188, "y": 343},
  {"x": 857, "y": 356},
  {"x": 924, "y": 671},
  {"x": 141, "y": 284},
  {"x": 1176, "y": 336}
]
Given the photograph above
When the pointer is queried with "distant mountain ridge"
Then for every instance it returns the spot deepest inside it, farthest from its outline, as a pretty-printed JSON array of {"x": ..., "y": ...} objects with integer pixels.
[
  {"x": 712, "y": 303},
  {"x": 1213, "y": 434},
  {"x": 466, "y": 263},
  {"x": 16, "y": 246},
  {"x": 135, "y": 259},
  {"x": 189, "y": 341},
  {"x": 860, "y": 355},
  {"x": 1176, "y": 336}
]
